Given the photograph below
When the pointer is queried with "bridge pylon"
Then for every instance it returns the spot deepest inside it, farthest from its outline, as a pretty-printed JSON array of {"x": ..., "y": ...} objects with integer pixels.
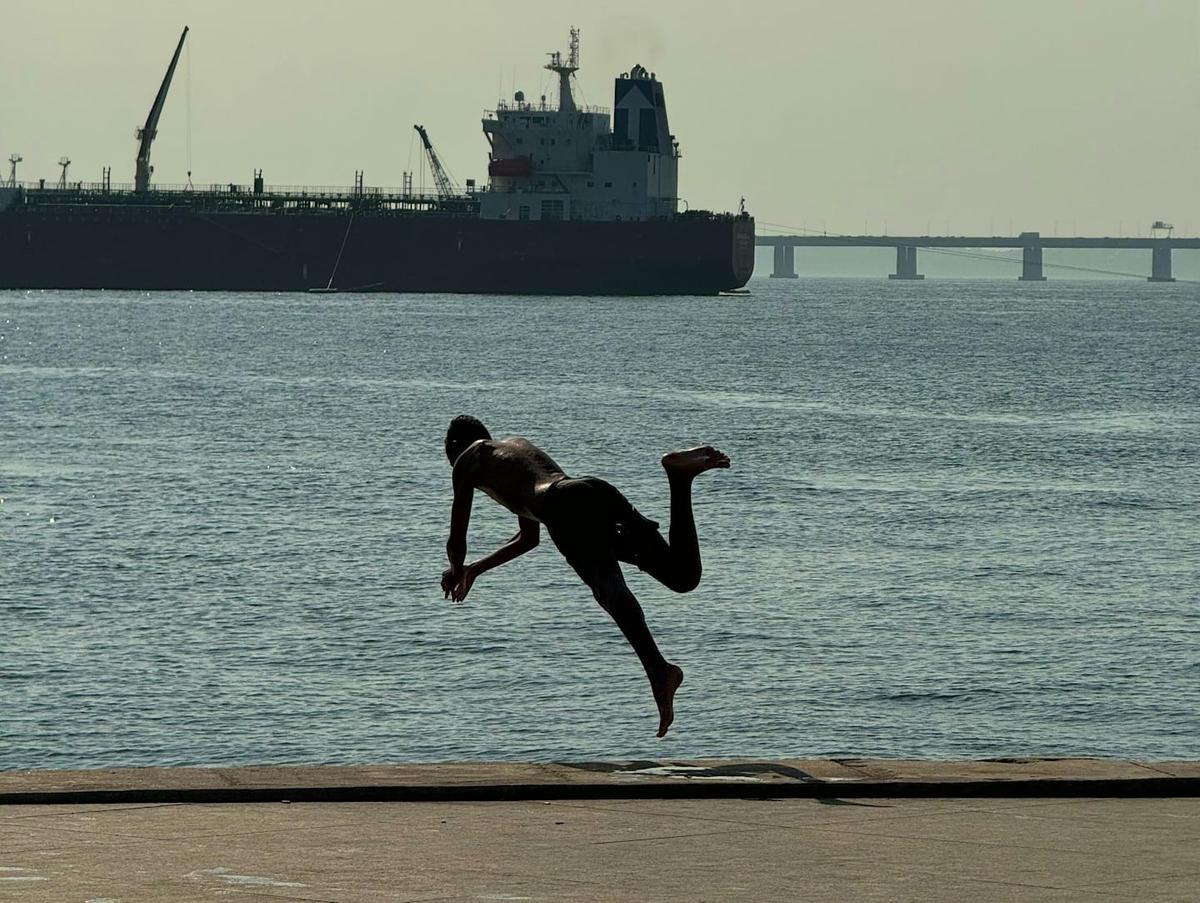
[
  {"x": 1031, "y": 258},
  {"x": 1160, "y": 263},
  {"x": 906, "y": 263},
  {"x": 785, "y": 262}
]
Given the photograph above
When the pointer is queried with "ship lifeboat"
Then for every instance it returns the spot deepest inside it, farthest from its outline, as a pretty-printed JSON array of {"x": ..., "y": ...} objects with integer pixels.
[{"x": 513, "y": 167}]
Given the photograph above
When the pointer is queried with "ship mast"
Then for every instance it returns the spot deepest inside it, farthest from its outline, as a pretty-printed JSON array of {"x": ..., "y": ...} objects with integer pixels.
[
  {"x": 145, "y": 135},
  {"x": 566, "y": 103}
]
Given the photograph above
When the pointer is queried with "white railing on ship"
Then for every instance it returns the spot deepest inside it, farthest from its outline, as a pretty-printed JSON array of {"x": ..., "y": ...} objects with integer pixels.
[
  {"x": 231, "y": 188},
  {"x": 541, "y": 107}
]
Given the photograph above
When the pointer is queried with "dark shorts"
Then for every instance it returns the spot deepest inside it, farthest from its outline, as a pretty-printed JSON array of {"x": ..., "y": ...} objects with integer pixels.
[{"x": 595, "y": 526}]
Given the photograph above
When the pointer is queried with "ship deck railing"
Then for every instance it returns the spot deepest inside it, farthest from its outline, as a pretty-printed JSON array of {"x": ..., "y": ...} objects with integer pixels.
[
  {"x": 243, "y": 197},
  {"x": 229, "y": 188},
  {"x": 543, "y": 107}
]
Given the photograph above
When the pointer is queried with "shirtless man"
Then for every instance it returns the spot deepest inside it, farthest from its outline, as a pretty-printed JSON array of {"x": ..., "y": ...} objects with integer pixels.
[{"x": 591, "y": 523}]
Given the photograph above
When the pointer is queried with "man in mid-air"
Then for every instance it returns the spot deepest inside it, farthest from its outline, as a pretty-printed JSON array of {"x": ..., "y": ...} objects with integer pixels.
[{"x": 591, "y": 523}]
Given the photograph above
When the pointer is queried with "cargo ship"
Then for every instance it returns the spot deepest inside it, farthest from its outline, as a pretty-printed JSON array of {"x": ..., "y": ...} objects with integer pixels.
[{"x": 576, "y": 202}]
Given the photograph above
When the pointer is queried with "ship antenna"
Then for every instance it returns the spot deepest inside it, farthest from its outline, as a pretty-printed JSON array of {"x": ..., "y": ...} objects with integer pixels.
[
  {"x": 64, "y": 162},
  {"x": 566, "y": 103},
  {"x": 12, "y": 172}
]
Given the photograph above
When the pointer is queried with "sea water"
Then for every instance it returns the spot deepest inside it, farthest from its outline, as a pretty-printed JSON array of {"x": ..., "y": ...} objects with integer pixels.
[{"x": 961, "y": 521}]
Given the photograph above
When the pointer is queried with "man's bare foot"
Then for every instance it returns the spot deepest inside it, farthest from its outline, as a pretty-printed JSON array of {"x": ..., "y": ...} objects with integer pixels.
[
  {"x": 691, "y": 461},
  {"x": 664, "y": 696}
]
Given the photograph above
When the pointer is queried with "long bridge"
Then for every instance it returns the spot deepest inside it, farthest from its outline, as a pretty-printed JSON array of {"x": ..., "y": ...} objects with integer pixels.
[{"x": 1031, "y": 244}]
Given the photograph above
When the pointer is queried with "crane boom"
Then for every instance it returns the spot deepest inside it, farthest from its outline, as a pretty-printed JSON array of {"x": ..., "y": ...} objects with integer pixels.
[
  {"x": 446, "y": 187},
  {"x": 145, "y": 135}
]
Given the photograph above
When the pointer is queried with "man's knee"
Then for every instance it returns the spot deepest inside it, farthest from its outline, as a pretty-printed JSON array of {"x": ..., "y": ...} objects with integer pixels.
[{"x": 684, "y": 582}]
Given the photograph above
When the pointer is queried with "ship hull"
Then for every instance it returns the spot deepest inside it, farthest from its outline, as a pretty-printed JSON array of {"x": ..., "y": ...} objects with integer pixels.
[{"x": 127, "y": 246}]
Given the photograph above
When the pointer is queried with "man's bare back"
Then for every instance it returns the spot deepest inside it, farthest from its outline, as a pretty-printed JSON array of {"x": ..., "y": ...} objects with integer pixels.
[
  {"x": 514, "y": 472},
  {"x": 592, "y": 524}
]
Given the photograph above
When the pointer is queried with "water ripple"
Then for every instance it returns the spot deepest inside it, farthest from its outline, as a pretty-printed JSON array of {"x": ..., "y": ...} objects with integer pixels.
[{"x": 960, "y": 522}]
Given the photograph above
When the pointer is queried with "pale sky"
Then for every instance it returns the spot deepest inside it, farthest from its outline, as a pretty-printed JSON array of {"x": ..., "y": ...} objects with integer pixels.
[{"x": 1075, "y": 116}]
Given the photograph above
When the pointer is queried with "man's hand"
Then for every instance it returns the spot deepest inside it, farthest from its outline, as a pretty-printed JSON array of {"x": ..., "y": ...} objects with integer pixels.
[
  {"x": 458, "y": 592},
  {"x": 449, "y": 579},
  {"x": 457, "y": 580}
]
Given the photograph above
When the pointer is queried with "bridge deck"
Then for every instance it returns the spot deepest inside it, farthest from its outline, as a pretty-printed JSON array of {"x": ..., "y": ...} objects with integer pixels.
[{"x": 968, "y": 241}]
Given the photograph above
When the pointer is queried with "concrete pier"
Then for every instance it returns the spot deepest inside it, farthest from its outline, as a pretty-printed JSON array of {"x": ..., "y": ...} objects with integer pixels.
[
  {"x": 653, "y": 831},
  {"x": 906, "y": 263},
  {"x": 785, "y": 262},
  {"x": 1160, "y": 264}
]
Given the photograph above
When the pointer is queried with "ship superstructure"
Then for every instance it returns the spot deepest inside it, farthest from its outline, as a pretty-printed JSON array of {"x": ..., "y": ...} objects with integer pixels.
[
  {"x": 576, "y": 202},
  {"x": 572, "y": 162}
]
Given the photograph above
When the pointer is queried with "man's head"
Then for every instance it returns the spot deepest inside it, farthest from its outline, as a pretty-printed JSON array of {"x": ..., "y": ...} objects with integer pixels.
[{"x": 464, "y": 430}]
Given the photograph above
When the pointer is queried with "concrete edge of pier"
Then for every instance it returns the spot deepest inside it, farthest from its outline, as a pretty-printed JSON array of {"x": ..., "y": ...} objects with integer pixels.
[{"x": 660, "y": 779}]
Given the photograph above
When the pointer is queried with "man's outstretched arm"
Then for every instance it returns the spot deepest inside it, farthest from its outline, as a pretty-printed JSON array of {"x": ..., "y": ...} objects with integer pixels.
[
  {"x": 526, "y": 538},
  {"x": 460, "y": 517}
]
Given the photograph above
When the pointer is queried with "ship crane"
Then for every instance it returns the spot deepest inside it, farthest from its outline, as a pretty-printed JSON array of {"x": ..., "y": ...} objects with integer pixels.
[
  {"x": 145, "y": 135},
  {"x": 446, "y": 186}
]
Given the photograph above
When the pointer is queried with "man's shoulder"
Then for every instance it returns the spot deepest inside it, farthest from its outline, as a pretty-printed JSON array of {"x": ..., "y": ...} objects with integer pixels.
[
  {"x": 486, "y": 455},
  {"x": 472, "y": 458},
  {"x": 512, "y": 448},
  {"x": 513, "y": 442}
]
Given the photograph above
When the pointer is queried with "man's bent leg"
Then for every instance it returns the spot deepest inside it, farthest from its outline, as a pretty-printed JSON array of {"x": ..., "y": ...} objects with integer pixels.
[
  {"x": 608, "y": 586},
  {"x": 676, "y": 565}
]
